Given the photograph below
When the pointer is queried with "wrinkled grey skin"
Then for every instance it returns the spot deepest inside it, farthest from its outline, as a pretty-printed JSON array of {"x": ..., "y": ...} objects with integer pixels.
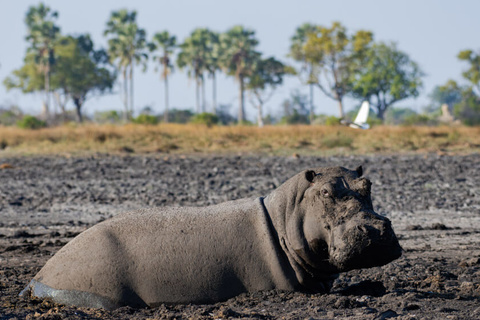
[
  {"x": 318, "y": 223},
  {"x": 330, "y": 225}
]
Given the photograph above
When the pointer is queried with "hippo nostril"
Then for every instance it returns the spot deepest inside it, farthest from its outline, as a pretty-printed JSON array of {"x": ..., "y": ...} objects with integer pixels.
[{"x": 362, "y": 229}]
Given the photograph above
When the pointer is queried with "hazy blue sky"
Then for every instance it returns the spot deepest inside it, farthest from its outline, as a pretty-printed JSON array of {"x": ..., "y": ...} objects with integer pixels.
[{"x": 432, "y": 32}]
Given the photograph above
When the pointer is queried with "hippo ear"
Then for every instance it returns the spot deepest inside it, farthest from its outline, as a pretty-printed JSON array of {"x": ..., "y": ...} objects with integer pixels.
[
  {"x": 359, "y": 171},
  {"x": 310, "y": 175}
]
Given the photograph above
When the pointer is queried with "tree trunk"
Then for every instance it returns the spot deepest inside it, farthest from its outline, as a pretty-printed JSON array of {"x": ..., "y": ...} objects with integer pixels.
[
  {"x": 340, "y": 104},
  {"x": 241, "y": 108},
  {"x": 260, "y": 116},
  {"x": 46, "y": 103},
  {"x": 381, "y": 109},
  {"x": 61, "y": 104},
  {"x": 214, "y": 97},
  {"x": 165, "y": 113},
  {"x": 203, "y": 96},
  {"x": 125, "y": 95},
  {"x": 340, "y": 107},
  {"x": 311, "y": 104},
  {"x": 197, "y": 95},
  {"x": 381, "y": 113},
  {"x": 131, "y": 89},
  {"x": 78, "y": 107}
]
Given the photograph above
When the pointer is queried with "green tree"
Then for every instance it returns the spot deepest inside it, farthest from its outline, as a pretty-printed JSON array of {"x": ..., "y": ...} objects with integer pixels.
[
  {"x": 239, "y": 58},
  {"x": 28, "y": 78},
  {"x": 166, "y": 44},
  {"x": 42, "y": 34},
  {"x": 81, "y": 71},
  {"x": 127, "y": 46},
  {"x": 387, "y": 76},
  {"x": 472, "y": 74},
  {"x": 297, "y": 52},
  {"x": 295, "y": 109},
  {"x": 450, "y": 94},
  {"x": 196, "y": 55},
  {"x": 335, "y": 56},
  {"x": 266, "y": 76},
  {"x": 468, "y": 110},
  {"x": 212, "y": 63}
]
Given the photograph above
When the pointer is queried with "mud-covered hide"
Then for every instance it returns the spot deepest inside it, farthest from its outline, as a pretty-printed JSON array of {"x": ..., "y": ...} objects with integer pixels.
[
  {"x": 169, "y": 255},
  {"x": 326, "y": 224},
  {"x": 318, "y": 223}
]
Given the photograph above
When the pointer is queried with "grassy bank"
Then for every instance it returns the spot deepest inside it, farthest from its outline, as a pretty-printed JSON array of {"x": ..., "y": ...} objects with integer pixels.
[{"x": 278, "y": 140}]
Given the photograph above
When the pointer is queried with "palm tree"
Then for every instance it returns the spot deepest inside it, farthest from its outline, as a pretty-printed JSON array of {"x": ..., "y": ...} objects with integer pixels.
[
  {"x": 297, "y": 52},
  {"x": 212, "y": 61},
  {"x": 238, "y": 59},
  {"x": 127, "y": 45},
  {"x": 42, "y": 34},
  {"x": 167, "y": 43},
  {"x": 194, "y": 55}
]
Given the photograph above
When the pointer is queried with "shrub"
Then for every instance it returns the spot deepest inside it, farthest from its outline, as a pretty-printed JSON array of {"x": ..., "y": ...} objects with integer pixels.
[
  {"x": 295, "y": 118},
  {"x": 374, "y": 121},
  {"x": 145, "y": 119},
  {"x": 208, "y": 119},
  {"x": 9, "y": 117},
  {"x": 31, "y": 122},
  {"x": 332, "y": 121},
  {"x": 417, "y": 119},
  {"x": 110, "y": 116},
  {"x": 179, "y": 116}
]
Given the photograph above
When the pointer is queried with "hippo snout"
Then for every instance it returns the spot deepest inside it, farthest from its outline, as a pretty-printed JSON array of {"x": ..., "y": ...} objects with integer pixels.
[{"x": 364, "y": 243}]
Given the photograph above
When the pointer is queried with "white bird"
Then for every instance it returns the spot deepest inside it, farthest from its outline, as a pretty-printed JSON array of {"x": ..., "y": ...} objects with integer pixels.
[{"x": 362, "y": 116}]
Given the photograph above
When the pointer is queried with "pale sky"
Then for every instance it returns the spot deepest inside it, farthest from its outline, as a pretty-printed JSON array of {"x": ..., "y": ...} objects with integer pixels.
[{"x": 432, "y": 32}]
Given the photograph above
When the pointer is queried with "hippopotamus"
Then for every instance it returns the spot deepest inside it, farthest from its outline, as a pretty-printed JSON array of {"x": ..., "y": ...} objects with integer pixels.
[{"x": 299, "y": 237}]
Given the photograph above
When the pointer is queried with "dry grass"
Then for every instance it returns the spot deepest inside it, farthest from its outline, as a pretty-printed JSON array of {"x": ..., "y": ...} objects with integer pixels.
[{"x": 279, "y": 140}]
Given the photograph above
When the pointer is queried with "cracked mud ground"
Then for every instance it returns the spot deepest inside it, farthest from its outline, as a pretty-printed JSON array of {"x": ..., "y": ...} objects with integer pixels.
[{"x": 433, "y": 202}]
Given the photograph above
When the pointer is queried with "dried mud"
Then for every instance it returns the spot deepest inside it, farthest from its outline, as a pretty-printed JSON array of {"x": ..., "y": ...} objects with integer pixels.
[{"x": 433, "y": 202}]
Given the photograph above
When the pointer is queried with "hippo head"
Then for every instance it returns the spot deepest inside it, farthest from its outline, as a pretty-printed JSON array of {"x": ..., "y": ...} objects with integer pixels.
[{"x": 329, "y": 224}]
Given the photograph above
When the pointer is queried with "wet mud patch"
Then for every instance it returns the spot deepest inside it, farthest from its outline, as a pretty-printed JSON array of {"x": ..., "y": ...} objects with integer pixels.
[{"x": 45, "y": 202}]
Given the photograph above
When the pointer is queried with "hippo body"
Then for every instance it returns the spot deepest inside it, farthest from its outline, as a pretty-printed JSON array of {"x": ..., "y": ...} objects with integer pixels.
[{"x": 318, "y": 223}]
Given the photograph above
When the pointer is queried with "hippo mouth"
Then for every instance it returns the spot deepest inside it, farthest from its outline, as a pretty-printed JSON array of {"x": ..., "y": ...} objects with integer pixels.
[
  {"x": 367, "y": 248},
  {"x": 318, "y": 257}
]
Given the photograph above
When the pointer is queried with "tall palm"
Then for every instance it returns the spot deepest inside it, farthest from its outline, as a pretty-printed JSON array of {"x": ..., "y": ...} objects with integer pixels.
[
  {"x": 212, "y": 64},
  {"x": 194, "y": 56},
  {"x": 42, "y": 34},
  {"x": 238, "y": 59},
  {"x": 127, "y": 46},
  {"x": 167, "y": 44},
  {"x": 297, "y": 52}
]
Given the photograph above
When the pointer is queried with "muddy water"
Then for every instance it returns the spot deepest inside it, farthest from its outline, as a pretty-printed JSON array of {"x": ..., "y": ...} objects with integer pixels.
[{"x": 433, "y": 202}]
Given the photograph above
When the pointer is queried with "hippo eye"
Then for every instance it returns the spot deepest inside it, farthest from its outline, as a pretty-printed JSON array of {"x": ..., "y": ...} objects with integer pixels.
[{"x": 325, "y": 193}]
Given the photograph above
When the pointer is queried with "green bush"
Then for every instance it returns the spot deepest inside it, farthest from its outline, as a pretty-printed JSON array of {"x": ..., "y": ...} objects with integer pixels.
[
  {"x": 417, "y": 120},
  {"x": 208, "y": 119},
  {"x": 145, "y": 119},
  {"x": 31, "y": 122},
  {"x": 295, "y": 118},
  {"x": 110, "y": 116},
  {"x": 332, "y": 121},
  {"x": 468, "y": 110},
  {"x": 179, "y": 116},
  {"x": 8, "y": 117},
  {"x": 374, "y": 121}
]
